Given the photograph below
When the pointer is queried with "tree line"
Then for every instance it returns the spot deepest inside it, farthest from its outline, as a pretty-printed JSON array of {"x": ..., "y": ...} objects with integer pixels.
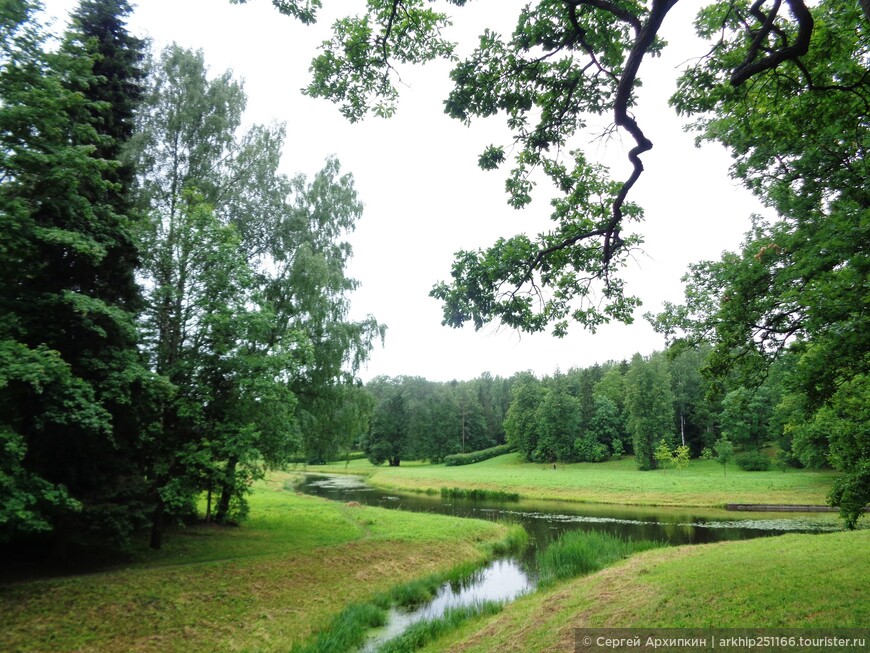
[
  {"x": 663, "y": 408},
  {"x": 582, "y": 415},
  {"x": 174, "y": 310}
]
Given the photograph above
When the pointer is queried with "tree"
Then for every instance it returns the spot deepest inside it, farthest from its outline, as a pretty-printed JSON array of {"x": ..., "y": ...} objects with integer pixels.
[
  {"x": 844, "y": 424},
  {"x": 745, "y": 415},
  {"x": 650, "y": 405},
  {"x": 388, "y": 434},
  {"x": 247, "y": 293},
  {"x": 559, "y": 425},
  {"x": 724, "y": 452},
  {"x": 564, "y": 61},
  {"x": 681, "y": 457},
  {"x": 606, "y": 424},
  {"x": 799, "y": 137},
  {"x": 695, "y": 411},
  {"x": 521, "y": 424},
  {"x": 74, "y": 395},
  {"x": 663, "y": 455}
]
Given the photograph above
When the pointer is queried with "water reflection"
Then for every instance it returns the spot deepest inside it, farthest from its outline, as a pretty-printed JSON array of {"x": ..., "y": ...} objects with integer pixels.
[
  {"x": 506, "y": 579},
  {"x": 502, "y": 581},
  {"x": 547, "y": 520}
]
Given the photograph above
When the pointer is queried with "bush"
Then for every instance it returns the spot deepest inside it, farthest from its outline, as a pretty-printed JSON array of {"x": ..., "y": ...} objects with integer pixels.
[
  {"x": 753, "y": 461},
  {"x": 618, "y": 448},
  {"x": 663, "y": 453},
  {"x": 457, "y": 459},
  {"x": 681, "y": 457},
  {"x": 589, "y": 450}
]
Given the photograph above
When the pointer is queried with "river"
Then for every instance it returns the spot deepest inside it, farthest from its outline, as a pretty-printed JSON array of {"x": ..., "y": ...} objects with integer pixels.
[{"x": 507, "y": 578}]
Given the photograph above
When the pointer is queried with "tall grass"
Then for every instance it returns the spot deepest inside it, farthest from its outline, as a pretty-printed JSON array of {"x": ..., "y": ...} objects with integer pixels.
[
  {"x": 478, "y": 494},
  {"x": 578, "y": 553},
  {"x": 348, "y": 631},
  {"x": 424, "y": 632}
]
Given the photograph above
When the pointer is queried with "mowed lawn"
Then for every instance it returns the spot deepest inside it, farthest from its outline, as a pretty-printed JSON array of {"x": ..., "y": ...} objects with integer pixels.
[
  {"x": 286, "y": 572},
  {"x": 789, "y": 581},
  {"x": 702, "y": 484}
]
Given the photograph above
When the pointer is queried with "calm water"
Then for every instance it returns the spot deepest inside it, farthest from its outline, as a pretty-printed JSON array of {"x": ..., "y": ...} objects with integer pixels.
[{"x": 507, "y": 578}]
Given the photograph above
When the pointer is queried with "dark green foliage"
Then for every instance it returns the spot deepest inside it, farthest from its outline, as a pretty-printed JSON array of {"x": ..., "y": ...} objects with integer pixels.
[
  {"x": 521, "y": 423},
  {"x": 588, "y": 449},
  {"x": 650, "y": 405},
  {"x": 74, "y": 398},
  {"x": 852, "y": 493},
  {"x": 457, "y": 459},
  {"x": 753, "y": 461},
  {"x": 419, "y": 419},
  {"x": 578, "y": 553},
  {"x": 559, "y": 424},
  {"x": 247, "y": 299},
  {"x": 798, "y": 132}
]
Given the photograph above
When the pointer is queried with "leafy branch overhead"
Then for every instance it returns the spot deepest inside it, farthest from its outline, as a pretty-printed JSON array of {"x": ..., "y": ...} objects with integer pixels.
[{"x": 565, "y": 61}]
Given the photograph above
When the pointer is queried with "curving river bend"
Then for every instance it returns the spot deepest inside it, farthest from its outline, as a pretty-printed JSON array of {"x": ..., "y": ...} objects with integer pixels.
[{"x": 508, "y": 578}]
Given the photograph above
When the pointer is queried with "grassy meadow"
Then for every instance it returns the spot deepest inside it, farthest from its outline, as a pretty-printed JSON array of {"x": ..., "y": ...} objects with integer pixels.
[
  {"x": 702, "y": 484},
  {"x": 285, "y": 573},
  {"x": 790, "y": 581}
]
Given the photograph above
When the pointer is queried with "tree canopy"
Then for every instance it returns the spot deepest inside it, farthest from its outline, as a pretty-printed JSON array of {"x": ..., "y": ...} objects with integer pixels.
[
  {"x": 784, "y": 85},
  {"x": 566, "y": 60}
]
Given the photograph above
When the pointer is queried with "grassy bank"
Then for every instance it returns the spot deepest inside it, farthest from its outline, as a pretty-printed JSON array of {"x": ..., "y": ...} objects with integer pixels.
[
  {"x": 798, "y": 581},
  {"x": 288, "y": 571},
  {"x": 702, "y": 484}
]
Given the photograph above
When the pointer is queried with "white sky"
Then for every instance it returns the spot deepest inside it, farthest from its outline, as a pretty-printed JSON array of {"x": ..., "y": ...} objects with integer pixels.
[{"x": 426, "y": 198}]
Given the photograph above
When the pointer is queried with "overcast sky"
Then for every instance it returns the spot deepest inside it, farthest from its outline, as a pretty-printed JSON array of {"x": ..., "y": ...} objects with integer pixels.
[{"x": 426, "y": 198}]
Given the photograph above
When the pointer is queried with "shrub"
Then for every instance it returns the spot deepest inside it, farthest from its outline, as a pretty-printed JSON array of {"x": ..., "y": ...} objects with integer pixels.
[
  {"x": 753, "y": 461},
  {"x": 681, "y": 457},
  {"x": 618, "y": 448},
  {"x": 663, "y": 453},
  {"x": 707, "y": 454},
  {"x": 456, "y": 459},
  {"x": 589, "y": 450}
]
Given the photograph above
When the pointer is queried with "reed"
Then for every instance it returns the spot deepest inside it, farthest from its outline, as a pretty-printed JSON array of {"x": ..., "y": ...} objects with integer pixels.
[{"x": 578, "y": 553}]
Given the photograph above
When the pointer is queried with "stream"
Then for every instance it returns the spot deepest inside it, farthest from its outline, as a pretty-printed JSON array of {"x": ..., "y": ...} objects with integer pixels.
[{"x": 507, "y": 578}]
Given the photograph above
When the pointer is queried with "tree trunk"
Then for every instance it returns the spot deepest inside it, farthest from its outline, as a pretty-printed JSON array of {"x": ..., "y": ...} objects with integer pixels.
[
  {"x": 394, "y": 461},
  {"x": 683, "y": 427},
  {"x": 208, "y": 505},
  {"x": 223, "y": 506}
]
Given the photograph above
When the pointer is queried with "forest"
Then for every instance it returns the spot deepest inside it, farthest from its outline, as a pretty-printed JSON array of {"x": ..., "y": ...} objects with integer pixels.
[
  {"x": 659, "y": 409},
  {"x": 174, "y": 310}
]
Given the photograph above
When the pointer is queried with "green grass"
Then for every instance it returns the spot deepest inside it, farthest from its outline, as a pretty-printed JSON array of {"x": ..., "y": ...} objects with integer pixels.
[
  {"x": 702, "y": 484},
  {"x": 789, "y": 581},
  {"x": 286, "y": 572},
  {"x": 578, "y": 553},
  {"x": 431, "y": 630},
  {"x": 348, "y": 630}
]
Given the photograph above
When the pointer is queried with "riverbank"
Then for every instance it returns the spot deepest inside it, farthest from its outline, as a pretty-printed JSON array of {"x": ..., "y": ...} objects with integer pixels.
[
  {"x": 791, "y": 581},
  {"x": 285, "y": 573},
  {"x": 703, "y": 484}
]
